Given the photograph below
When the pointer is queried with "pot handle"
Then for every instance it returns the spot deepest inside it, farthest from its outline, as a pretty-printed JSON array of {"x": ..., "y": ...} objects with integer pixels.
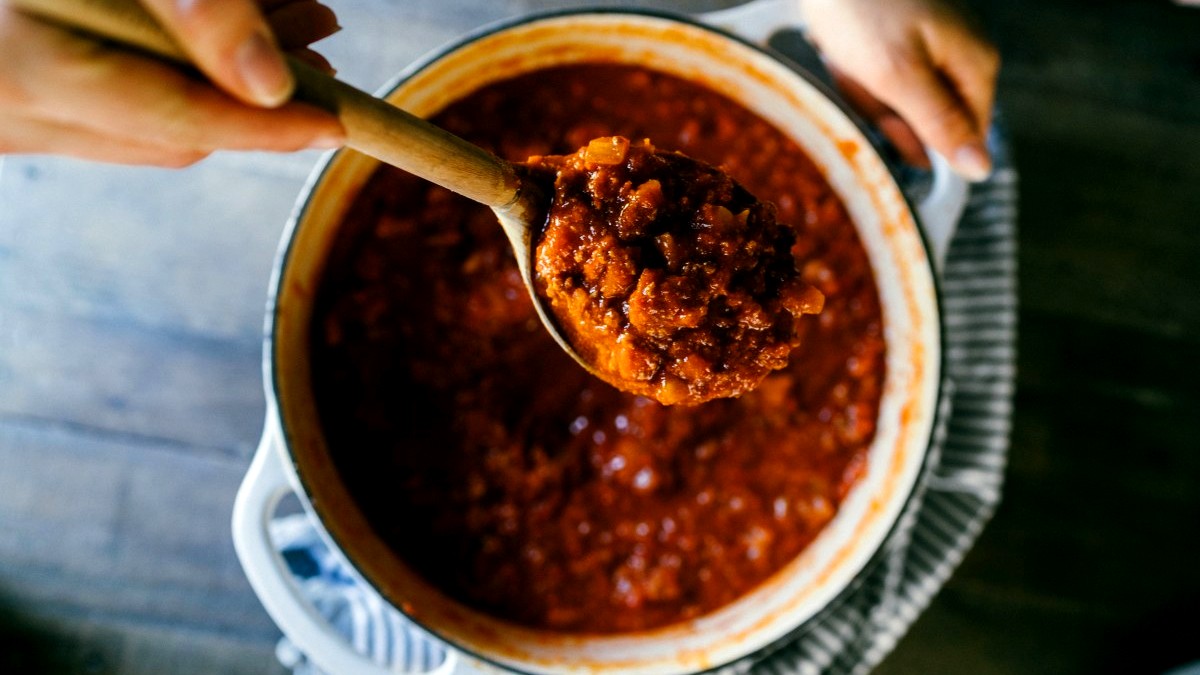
[
  {"x": 266, "y": 482},
  {"x": 939, "y": 210}
]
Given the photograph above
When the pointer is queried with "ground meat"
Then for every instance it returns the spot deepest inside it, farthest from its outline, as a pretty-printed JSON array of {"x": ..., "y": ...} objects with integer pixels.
[{"x": 665, "y": 275}]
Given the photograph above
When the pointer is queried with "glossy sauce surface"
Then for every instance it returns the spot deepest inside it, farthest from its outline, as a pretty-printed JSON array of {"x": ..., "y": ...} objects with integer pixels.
[{"x": 519, "y": 484}]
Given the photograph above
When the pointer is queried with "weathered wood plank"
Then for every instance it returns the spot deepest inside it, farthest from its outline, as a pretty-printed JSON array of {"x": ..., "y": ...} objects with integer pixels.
[
  {"x": 989, "y": 634},
  {"x": 1089, "y": 565},
  {"x": 146, "y": 320},
  {"x": 95, "y": 530},
  {"x": 185, "y": 252},
  {"x": 48, "y": 644},
  {"x": 1108, "y": 221},
  {"x": 122, "y": 379}
]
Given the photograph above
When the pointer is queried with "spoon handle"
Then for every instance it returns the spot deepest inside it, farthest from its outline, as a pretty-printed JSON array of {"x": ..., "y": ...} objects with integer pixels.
[{"x": 373, "y": 126}]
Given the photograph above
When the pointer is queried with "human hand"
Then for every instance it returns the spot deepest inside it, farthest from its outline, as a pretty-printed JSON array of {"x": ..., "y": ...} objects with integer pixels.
[
  {"x": 64, "y": 93},
  {"x": 918, "y": 69}
]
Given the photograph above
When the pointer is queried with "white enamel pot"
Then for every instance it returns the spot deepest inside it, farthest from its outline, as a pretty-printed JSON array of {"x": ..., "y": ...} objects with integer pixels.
[{"x": 293, "y": 455}]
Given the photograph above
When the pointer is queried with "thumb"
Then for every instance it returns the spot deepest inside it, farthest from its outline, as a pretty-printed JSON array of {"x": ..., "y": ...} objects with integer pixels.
[
  {"x": 230, "y": 41},
  {"x": 940, "y": 117}
]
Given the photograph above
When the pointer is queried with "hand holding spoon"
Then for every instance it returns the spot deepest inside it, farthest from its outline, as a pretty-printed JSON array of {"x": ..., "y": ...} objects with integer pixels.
[
  {"x": 373, "y": 126},
  {"x": 702, "y": 299}
]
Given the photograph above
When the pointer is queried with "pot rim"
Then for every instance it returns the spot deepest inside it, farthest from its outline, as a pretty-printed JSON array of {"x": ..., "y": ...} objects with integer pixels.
[{"x": 319, "y": 173}]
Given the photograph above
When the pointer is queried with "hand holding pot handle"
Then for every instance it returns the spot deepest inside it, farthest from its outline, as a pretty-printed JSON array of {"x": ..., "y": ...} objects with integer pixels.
[
  {"x": 940, "y": 209},
  {"x": 919, "y": 69}
]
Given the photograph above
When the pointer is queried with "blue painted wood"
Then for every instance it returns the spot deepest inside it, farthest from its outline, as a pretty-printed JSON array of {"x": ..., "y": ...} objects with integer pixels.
[{"x": 117, "y": 541}]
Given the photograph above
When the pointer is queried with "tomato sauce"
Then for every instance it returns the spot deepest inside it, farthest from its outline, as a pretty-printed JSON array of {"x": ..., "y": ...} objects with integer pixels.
[{"x": 521, "y": 485}]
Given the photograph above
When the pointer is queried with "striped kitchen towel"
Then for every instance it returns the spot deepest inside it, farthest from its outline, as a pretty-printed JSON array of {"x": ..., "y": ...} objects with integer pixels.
[
  {"x": 961, "y": 484},
  {"x": 371, "y": 625}
]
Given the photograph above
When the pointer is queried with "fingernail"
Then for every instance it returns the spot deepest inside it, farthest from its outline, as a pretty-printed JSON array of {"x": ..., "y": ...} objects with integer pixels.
[
  {"x": 327, "y": 142},
  {"x": 263, "y": 71},
  {"x": 972, "y": 162}
]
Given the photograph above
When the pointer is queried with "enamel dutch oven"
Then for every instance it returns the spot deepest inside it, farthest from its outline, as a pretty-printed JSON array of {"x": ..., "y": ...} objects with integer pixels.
[{"x": 293, "y": 456}]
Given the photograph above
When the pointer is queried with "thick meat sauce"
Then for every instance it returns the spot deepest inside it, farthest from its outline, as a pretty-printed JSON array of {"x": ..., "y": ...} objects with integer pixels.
[
  {"x": 524, "y": 487},
  {"x": 666, "y": 276}
]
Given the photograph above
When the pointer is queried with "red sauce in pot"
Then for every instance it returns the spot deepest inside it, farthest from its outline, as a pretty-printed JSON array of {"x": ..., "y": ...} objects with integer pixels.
[{"x": 521, "y": 485}]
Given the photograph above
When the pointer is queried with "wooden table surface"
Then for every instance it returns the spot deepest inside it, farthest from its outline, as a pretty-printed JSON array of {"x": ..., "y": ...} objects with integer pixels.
[{"x": 131, "y": 398}]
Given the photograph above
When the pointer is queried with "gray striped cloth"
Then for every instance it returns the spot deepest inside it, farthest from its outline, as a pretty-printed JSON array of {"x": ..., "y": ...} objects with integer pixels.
[
  {"x": 955, "y": 496},
  {"x": 961, "y": 484}
]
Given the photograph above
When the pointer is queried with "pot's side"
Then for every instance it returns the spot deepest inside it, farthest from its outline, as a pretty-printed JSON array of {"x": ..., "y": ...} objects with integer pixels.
[{"x": 903, "y": 275}]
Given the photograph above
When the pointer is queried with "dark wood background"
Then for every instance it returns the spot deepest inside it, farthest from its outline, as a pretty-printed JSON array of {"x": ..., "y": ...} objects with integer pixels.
[
  {"x": 1092, "y": 563},
  {"x": 130, "y": 389}
]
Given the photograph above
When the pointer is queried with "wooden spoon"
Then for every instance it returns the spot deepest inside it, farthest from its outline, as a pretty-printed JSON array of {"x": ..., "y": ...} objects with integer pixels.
[
  {"x": 731, "y": 353},
  {"x": 373, "y": 127}
]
